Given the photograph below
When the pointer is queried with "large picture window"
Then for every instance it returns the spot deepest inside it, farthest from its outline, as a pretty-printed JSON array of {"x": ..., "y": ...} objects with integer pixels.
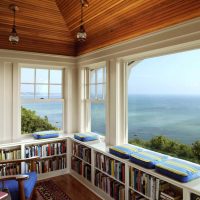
[
  {"x": 164, "y": 104},
  {"x": 42, "y": 99},
  {"x": 97, "y": 93}
]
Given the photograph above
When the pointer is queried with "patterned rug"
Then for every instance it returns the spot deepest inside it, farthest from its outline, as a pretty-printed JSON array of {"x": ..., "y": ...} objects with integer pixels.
[{"x": 48, "y": 190}]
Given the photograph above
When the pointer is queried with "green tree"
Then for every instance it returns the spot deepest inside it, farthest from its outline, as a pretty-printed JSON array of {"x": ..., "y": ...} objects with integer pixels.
[
  {"x": 31, "y": 122},
  {"x": 167, "y": 146},
  {"x": 196, "y": 149}
]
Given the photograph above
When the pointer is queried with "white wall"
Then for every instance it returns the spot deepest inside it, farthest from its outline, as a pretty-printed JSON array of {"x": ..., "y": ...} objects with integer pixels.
[{"x": 6, "y": 88}]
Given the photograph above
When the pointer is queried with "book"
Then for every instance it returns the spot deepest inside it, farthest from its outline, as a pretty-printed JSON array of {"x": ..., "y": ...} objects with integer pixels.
[
  {"x": 10, "y": 154},
  {"x": 45, "y": 150},
  {"x": 48, "y": 165},
  {"x": 81, "y": 151},
  {"x": 110, "y": 166},
  {"x": 110, "y": 186}
]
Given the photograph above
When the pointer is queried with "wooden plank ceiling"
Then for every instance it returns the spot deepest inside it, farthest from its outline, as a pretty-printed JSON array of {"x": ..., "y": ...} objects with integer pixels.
[{"x": 50, "y": 26}]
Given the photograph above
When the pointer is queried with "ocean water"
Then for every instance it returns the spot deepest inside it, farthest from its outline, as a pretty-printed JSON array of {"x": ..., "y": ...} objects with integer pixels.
[{"x": 176, "y": 117}]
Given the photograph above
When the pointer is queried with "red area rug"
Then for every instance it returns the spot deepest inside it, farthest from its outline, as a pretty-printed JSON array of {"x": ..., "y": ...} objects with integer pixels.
[{"x": 48, "y": 190}]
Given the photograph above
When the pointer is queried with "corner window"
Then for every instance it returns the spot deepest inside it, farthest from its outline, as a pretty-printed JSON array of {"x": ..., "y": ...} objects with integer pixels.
[
  {"x": 42, "y": 101},
  {"x": 164, "y": 104},
  {"x": 96, "y": 98}
]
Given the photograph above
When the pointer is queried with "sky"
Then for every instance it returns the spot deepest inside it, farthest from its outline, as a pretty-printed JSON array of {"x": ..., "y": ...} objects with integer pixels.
[
  {"x": 42, "y": 77},
  {"x": 174, "y": 74}
]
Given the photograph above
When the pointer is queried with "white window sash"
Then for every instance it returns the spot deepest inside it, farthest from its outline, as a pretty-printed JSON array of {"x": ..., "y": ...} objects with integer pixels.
[{"x": 45, "y": 100}]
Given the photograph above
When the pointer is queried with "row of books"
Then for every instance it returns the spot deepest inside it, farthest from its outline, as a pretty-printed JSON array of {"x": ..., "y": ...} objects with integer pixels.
[
  {"x": 10, "y": 169},
  {"x": 110, "y": 166},
  {"x": 81, "y": 168},
  {"x": 135, "y": 196},
  {"x": 81, "y": 152},
  {"x": 144, "y": 183},
  {"x": 152, "y": 187},
  {"x": 48, "y": 165},
  {"x": 110, "y": 186},
  {"x": 43, "y": 150},
  {"x": 10, "y": 154}
]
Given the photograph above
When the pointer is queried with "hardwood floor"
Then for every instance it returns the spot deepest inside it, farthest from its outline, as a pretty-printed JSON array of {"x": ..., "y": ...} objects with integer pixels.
[{"x": 74, "y": 189}]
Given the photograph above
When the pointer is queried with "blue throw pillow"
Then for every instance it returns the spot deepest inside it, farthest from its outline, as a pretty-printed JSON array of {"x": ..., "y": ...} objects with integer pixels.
[
  {"x": 124, "y": 150},
  {"x": 85, "y": 137},
  {"x": 179, "y": 170},
  {"x": 147, "y": 158},
  {"x": 45, "y": 134}
]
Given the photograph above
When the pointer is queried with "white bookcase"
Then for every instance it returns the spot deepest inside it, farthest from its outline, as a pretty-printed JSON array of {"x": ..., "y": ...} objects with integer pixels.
[{"x": 98, "y": 147}]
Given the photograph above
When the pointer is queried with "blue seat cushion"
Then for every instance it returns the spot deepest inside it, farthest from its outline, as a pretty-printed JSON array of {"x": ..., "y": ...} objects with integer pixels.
[
  {"x": 45, "y": 134},
  {"x": 179, "y": 170},
  {"x": 124, "y": 151},
  {"x": 147, "y": 159},
  {"x": 29, "y": 185},
  {"x": 85, "y": 137}
]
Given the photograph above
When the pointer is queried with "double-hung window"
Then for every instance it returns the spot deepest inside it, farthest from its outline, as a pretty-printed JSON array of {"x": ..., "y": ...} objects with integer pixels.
[
  {"x": 42, "y": 101},
  {"x": 96, "y": 97}
]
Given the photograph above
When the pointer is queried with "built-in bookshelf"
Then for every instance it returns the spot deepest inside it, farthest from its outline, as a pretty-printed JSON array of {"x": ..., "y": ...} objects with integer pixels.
[
  {"x": 52, "y": 156},
  {"x": 81, "y": 160},
  {"x": 91, "y": 163},
  {"x": 143, "y": 185}
]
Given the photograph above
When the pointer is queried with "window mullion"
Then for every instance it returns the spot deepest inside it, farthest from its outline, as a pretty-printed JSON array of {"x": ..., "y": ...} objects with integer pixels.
[
  {"x": 49, "y": 84},
  {"x": 95, "y": 96},
  {"x": 34, "y": 83}
]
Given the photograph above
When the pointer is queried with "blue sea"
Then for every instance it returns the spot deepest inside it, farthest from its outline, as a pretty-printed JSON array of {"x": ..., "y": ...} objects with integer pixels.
[{"x": 176, "y": 117}]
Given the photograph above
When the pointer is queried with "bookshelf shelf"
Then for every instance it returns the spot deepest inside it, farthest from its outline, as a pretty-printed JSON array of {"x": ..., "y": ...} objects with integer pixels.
[
  {"x": 81, "y": 159},
  {"x": 140, "y": 193},
  {"x": 57, "y": 155},
  {"x": 110, "y": 176}
]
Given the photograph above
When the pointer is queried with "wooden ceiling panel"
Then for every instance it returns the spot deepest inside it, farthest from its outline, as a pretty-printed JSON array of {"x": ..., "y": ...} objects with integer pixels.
[
  {"x": 44, "y": 23},
  {"x": 39, "y": 46},
  {"x": 39, "y": 21},
  {"x": 133, "y": 23}
]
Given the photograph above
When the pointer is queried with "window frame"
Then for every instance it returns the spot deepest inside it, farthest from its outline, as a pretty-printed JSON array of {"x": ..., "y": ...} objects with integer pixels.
[
  {"x": 43, "y": 100},
  {"x": 96, "y": 100}
]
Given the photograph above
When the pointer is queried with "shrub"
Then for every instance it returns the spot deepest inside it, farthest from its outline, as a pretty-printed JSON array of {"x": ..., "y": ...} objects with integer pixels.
[
  {"x": 167, "y": 146},
  {"x": 196, "y": 149},
  {"x": 31, "y": 122}
]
